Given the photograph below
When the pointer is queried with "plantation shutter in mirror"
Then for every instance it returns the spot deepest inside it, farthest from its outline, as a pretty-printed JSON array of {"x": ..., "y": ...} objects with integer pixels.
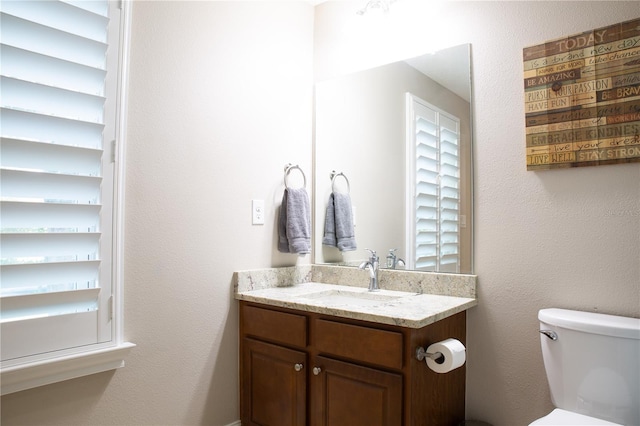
[
  {"x": 449, "y": 193},
  {"x": 434, "y": 182},
  {"x": 59, "y": 81}
]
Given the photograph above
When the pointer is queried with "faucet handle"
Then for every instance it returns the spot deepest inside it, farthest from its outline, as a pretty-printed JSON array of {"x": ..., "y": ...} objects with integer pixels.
[{"x": 373, "y": 254}]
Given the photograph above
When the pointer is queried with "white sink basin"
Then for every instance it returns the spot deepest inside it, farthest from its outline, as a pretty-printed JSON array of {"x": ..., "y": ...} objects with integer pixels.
[{"x": 352, "y": 298}]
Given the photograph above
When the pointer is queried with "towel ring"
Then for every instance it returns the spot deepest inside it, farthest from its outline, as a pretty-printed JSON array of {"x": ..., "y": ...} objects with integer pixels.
[
  {"x": 334, "y": 175},
  {"x": 287, "y": 169}
]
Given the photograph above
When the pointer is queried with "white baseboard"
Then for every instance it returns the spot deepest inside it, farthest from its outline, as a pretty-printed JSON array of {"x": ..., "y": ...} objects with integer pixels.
[{"x": 236, "y": 423}]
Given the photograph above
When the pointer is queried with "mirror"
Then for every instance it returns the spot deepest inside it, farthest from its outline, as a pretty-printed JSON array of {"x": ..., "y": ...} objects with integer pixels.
[{"x": 367, "y": 126}]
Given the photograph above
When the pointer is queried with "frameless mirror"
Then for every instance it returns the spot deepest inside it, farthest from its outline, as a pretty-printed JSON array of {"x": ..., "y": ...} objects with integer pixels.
[{"x": 401, "y": 136}]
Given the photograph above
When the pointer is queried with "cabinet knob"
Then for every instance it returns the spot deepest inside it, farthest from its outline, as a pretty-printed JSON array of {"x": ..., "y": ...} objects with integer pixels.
[
  {"x": 298, "y": 367},
  {"x": 316, "y": 370}
]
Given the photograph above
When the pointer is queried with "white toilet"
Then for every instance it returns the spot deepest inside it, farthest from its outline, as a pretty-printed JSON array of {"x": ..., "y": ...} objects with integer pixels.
[{"x": 593, "y": 367}]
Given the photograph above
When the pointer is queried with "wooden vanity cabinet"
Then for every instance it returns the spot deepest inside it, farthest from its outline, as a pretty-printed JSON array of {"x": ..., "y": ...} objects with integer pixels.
[
  {"x": 278, "y": 392},
  {"x": 349, "y": 394},
  {"x": 301, "y": 368},
  {"x": 273, "y": 350}
]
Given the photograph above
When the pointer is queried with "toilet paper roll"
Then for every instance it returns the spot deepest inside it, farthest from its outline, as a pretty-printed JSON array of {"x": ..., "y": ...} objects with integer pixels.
[{"x": 453, "y": 355}]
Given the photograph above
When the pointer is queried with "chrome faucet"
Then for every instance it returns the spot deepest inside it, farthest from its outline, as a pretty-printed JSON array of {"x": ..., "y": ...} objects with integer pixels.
[
  {"x": 372, "y": 265},
  {"x": 394, "y": 261}
]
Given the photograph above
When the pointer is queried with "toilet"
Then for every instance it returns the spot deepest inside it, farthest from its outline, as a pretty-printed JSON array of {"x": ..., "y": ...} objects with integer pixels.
[{"x": 593, "y": 367}]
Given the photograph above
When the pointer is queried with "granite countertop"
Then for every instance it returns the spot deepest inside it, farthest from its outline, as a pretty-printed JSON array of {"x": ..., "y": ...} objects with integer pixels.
[{"x": 412, "y": 308}]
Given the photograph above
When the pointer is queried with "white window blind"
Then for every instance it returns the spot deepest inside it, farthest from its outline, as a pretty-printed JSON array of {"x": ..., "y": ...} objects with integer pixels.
[
  {"x": 433, "y": 139},
  {"x": 59, "y": 82}
]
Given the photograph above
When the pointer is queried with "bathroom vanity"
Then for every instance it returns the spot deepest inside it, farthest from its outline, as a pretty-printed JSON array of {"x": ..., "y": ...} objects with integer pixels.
[{"x": 318, "y": 352}]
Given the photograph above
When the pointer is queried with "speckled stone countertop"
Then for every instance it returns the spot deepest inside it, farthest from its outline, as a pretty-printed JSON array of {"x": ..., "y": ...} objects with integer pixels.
[{"x": 407, "y": 298}]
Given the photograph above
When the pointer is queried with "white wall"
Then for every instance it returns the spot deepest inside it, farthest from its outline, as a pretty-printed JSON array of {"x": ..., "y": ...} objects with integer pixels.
[
  {"x": 565, "y": 238},
  {"x": 220, "y": 99}
]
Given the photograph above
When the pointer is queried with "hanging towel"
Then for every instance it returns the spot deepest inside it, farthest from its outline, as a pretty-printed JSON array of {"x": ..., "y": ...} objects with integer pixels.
[
  {"x": 338, "y": 224},
  {"x": 294, "y": 222}
]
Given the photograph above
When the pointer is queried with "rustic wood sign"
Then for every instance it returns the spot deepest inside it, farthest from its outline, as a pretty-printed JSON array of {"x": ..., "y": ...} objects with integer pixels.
[{"x": 582, "y": 98}]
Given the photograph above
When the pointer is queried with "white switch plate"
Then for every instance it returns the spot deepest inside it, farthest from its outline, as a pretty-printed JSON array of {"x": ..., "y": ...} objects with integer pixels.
[{"x": 257, "y": 212}]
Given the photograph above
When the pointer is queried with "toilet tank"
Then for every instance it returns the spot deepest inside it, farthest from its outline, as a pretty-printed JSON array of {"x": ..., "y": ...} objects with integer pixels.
[{"x": 593, "y": 367}]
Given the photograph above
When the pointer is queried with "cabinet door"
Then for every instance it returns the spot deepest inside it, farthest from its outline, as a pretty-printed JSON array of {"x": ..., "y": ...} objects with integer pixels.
[
  {"x": 346, "y": 394},
  {"x": 273, "y": 385}
]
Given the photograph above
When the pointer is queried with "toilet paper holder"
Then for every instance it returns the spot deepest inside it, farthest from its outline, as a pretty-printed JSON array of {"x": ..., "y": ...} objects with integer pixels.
[{"x": 421, "y": 354}]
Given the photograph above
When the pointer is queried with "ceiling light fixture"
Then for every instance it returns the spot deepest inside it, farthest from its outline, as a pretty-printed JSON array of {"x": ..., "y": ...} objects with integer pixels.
[{"x": 376, "y": 4}]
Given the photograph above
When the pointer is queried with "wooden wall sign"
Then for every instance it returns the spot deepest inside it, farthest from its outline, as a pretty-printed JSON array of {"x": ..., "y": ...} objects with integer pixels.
[{"x": 582, "y": 98}]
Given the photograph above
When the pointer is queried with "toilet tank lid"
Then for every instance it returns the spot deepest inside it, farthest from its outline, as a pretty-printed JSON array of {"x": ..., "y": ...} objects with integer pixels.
[{"x": 591, "y": 322}]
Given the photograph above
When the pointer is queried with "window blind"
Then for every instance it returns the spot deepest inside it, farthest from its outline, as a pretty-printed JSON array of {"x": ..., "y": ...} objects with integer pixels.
[
  {"x": 434, "y": 182},
  {"x": 59, "y": 84}
]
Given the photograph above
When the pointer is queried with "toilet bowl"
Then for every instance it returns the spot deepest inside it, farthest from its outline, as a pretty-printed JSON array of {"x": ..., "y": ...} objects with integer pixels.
[
  {"x": 559, "y": 417},
  {"x": 592, "y": 367}
]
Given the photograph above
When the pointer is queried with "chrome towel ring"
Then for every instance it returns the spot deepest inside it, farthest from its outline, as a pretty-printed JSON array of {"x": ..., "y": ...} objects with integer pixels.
[
  {"x": 287, "y": 169},
  {"x": 334, "y": 175}
]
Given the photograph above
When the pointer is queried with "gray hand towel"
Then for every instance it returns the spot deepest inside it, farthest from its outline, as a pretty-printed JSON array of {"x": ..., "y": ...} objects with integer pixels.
[
  {"x": 329, "y": 238},
  {"x": 338, "y": 225},
  {"x": 283, "y": 242},
  {"x": 294, "y": 222}
]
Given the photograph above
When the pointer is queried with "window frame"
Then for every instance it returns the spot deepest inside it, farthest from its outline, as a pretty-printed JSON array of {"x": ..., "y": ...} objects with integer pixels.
[
  {"x": 411, "y": 205},
  {"x": 73, "y": 363}
]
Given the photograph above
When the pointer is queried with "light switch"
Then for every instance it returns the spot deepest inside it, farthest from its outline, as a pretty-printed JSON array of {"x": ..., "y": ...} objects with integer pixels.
[{"x": 257, "y": 212}]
